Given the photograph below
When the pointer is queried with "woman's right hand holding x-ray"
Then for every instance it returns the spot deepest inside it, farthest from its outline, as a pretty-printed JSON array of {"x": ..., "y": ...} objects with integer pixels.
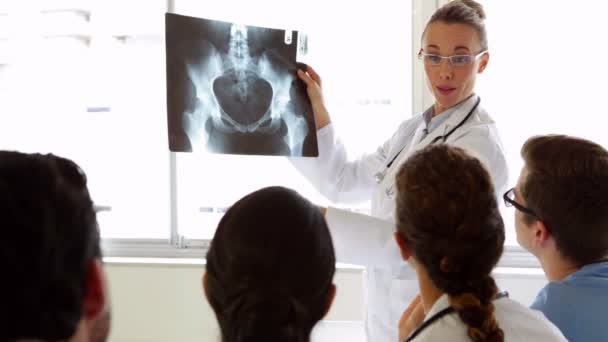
[{"x": 315, "y": 94}]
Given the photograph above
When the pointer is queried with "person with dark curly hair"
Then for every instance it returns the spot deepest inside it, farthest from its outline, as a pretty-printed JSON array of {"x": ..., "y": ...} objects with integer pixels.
[
  {"x": 450, "y": 230},
  {"x": 270, "y": 268},
  {"x": 53, "y": 285}
]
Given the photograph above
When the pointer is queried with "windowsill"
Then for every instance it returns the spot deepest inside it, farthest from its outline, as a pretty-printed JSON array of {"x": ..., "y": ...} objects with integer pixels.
[
  {"x": 499, "y": 272},
  {"x": 515, "y": 260},
  {"x": 520, "y": 272},
  {"x": 136, "y": 261}
]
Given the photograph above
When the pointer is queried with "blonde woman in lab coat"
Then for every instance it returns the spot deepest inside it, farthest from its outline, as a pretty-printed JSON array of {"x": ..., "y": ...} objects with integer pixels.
[{"x": 454, "y": 51}]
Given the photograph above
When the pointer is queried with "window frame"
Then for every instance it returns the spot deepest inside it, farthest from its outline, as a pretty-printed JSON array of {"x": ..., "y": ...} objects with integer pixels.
[
  {"x": 513, "y": 256},
  {"x": 177, "y": 246}
]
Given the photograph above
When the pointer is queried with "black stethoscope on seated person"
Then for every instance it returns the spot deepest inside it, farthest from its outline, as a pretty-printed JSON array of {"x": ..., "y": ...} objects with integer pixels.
[
  {"x": 442, "y": 313},
  {"x": 379, "y": 176}
]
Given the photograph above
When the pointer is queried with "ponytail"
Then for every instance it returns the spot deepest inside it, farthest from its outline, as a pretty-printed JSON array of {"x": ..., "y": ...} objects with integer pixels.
[{"x": 256, "y": 317}]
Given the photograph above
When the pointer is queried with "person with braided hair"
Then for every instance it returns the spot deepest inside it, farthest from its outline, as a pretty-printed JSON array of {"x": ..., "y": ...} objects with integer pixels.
[
  {"x": 450, "y": 230},
  {"x": 270, "y": 268}
]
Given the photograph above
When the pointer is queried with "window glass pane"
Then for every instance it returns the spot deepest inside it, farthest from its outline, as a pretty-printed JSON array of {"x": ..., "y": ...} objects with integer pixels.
[
  {"x": 364, "y": 59},
  {"x": 81, "y": 88},
  {"x": 538, "y": 80}
]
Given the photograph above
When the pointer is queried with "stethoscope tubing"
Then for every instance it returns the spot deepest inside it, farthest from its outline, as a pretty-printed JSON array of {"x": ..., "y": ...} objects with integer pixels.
[{"x": 380, "y": 175}]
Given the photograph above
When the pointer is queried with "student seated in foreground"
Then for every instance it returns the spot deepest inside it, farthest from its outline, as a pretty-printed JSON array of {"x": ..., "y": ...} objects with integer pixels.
[
  {"x": 270, "y": 268},
  {"x": 450, "y": 230},
  {"x": 53, "y": 285},
  {"x": 561, "y": 216}
]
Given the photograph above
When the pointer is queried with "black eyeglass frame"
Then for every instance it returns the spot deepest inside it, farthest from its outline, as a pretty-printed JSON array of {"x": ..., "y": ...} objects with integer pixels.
[{"x": 510, "y": 202}]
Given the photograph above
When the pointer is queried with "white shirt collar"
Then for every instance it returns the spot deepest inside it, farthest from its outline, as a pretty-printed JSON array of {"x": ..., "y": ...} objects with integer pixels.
[{"x": 442, "y": 303}]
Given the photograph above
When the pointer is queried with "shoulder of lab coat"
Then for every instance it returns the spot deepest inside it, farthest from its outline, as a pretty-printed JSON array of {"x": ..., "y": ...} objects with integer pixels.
[
  {"x": 518, "y": 323},
  {"x": 337, "y": 178},
  {"x": 363, "y": 240},
  {"x": 481, "y": 140}
]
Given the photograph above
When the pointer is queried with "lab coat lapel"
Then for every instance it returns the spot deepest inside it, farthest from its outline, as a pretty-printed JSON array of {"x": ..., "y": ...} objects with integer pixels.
[
  {"x": 403, "y": 140},
  {"x": 402, "y": 149}
]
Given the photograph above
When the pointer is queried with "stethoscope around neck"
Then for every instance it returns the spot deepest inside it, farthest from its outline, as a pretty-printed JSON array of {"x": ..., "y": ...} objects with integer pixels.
[{"x": 379, "y": 176}]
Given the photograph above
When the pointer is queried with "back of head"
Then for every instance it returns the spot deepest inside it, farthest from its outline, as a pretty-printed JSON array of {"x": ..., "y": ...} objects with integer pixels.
[
  {"x": 566, "y": 185},
  {"x": 49, "y": 236},
  {"x": 468, "y": 12},
  {"x": 270, "y": 268},
  {"x": 448, "y": 217}
]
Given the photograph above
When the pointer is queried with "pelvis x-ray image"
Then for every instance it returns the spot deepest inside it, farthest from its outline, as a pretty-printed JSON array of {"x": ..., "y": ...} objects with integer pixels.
[{"x": 234, "y": 89}]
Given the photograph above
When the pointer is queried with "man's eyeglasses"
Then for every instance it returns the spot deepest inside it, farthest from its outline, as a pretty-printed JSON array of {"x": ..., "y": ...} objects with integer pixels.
[
  {"x": 455, "y": 60},
  {"x": 509, "y": 198}
]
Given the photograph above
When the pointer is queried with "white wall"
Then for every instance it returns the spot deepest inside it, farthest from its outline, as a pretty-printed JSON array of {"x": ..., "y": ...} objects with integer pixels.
[{"x": 164, "y": 302}]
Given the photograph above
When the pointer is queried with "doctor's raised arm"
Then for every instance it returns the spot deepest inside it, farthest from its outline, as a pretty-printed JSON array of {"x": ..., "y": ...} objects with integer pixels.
[{"x": 454, "y": 51}]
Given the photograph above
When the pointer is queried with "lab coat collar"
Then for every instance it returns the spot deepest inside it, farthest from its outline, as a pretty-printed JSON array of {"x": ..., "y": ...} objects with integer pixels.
[{"x": 442, "y": 303}]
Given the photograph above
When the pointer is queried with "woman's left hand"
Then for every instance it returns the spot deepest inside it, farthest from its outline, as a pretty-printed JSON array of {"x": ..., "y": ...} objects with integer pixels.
[
  {"x": 315, "y": 94},
  {"x": 411, "y": 319}
]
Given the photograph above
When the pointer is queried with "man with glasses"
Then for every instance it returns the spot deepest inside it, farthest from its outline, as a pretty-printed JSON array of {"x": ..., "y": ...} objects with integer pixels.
[{"x": 561, "y": 217}]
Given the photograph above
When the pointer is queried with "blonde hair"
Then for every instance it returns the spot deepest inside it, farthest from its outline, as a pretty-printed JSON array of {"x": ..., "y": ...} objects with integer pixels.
[{"x": 468, "y": 12}]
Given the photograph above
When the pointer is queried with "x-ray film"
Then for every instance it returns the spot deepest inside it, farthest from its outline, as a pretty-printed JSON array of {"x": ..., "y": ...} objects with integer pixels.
[{"x": 233, "y": 89}]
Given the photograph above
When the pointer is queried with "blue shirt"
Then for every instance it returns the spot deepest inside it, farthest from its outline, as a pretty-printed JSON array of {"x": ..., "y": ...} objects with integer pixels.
[
  {"x": 578, "y": 305},
  {"x": 433, "y": 121}
]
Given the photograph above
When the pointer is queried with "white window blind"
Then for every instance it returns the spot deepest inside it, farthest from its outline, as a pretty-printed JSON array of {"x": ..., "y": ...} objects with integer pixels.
[{"x": 85, "y": 80}]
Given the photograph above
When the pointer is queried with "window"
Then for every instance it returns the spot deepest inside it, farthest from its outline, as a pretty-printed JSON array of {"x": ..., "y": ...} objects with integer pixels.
[
  {"x": 365, "y": 61},
  {"x": 85, "y": 80},
  {"x": 82, "y": 79},
  {"x": 545, "y": 82}
]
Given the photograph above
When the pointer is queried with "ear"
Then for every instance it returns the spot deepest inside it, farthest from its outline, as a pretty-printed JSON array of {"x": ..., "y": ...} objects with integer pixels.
[
  {"x": 541, "y": 234},
  {"x": 96, "y": 298},
  {"x": 483, "y": 63},
  {"x": 331, "y": 295},
  {"x": 406, "y": 254}
]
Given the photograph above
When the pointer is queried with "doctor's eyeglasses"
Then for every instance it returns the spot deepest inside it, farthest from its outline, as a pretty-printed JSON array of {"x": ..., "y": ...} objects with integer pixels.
[
  {"x": 455, "y": 60},
  {"x": 509, "y": 198}
]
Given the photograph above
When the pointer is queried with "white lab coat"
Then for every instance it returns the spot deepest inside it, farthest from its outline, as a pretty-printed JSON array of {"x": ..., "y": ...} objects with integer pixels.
[
  {"x": 359, "y": 239},
  {"x": 519, "y": 324}
]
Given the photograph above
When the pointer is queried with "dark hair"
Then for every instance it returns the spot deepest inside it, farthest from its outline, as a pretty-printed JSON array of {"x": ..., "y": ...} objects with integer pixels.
[
  {"x": 567, "y": 187},
  {"x": 49, "y": 237},
  {"x": 447, "y": 214},
  {"x": 270, "y": 268},
  {"x": 468, "y": 12}
]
